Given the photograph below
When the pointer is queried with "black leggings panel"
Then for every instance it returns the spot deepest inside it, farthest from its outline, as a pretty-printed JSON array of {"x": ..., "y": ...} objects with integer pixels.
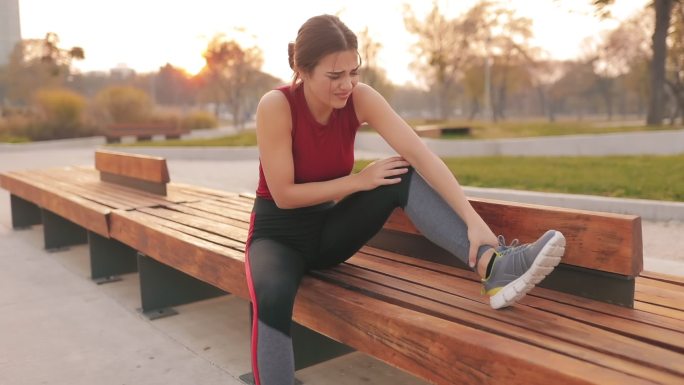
[{"x": 285, "y": 243}]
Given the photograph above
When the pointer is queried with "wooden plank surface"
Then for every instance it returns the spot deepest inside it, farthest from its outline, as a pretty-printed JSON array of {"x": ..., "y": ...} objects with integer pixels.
[
  {"x": 84, "y": 213},
  {"x": 601, "y": 241},
  {"x": 536, "y": 328},
  {"x": 148, "y": 168},
  {"x": 628, "y": 345},
  {"x": 422, "y": 343}
]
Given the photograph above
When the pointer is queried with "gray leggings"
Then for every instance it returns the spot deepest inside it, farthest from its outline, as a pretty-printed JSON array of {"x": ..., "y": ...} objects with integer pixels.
[{"x": 285, "y": 243}]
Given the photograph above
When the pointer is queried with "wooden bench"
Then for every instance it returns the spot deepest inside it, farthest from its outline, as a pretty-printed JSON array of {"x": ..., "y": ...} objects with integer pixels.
[
  {"x": 143, "y": 131},
  {"x": 74, "y": 203},
  {"x": 397, "y": 301},
  {"x": 437, "y": 130}
]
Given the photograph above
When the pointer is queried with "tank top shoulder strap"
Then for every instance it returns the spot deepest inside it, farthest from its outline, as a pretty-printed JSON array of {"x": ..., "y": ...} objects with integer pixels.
[{"x": 289, "y": 93}]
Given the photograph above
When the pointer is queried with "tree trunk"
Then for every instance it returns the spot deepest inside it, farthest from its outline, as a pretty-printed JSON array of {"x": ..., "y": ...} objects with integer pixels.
[{"x": 663, "y": 10}]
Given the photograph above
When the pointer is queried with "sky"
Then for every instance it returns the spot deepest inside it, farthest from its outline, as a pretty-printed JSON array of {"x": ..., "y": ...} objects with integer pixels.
[{"x": 147, "y": 34}]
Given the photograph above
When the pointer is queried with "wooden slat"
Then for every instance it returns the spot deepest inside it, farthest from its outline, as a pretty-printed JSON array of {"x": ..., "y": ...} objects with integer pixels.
[
  {"x": 555, "y": 334},
  {"x": 435, "y": 349},
  {"x": 129, "y": 197},
  {"x": 659, "y": 310},
  {"x": 568, "y": 300},
  {"x": 148, "y": 168},
  {"x": 220, "y": 266},
  {"x": 568, "y": 327},
  {"x": 601, "y": 241},
  {"x": 673, "y": 279},
  {"x": 224, "y": 234},
  {"x": 208, "y": 192},
  {"x": 89, "y": 215},
  {"x": 663, "y": 297},
  {"x": 218, "y": 217},
  {"x": 211, "y": 208}
]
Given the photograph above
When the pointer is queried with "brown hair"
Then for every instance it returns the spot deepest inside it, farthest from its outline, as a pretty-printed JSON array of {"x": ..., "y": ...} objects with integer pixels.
[{"x": 317, "y": 37}]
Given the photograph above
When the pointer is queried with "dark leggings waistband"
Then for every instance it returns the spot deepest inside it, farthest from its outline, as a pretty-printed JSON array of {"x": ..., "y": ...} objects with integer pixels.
[{"x": 267, "y": 206}]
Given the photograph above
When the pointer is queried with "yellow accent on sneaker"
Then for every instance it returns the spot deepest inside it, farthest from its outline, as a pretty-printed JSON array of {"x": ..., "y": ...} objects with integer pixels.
[{"x": 492, "y": 291}]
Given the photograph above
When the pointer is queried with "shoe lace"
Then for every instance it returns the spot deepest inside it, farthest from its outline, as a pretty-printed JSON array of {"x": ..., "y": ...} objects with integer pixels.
[{"x": 502, "y": 242}]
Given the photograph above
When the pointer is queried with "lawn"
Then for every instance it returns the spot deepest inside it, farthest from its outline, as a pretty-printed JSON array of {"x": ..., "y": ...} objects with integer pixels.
[
  {"x": 531, "y": 128},
  {"x": 647, "y": 177}
]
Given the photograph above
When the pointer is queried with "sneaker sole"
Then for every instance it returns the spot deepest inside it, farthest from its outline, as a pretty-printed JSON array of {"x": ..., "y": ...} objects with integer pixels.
[{"x": 549, "y": 257}]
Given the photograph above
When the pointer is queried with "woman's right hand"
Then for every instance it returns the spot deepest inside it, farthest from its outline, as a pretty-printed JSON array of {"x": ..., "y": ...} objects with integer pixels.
[{"x": 382, "y": 172}]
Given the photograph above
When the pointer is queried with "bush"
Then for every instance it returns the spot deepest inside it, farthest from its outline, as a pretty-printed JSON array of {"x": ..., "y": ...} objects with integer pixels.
[
  {"x": 60, "y": 115},
  {"x": 123, "y": 104},
  {"x": 199, "y": 119},
  {"x": 12, "y": 129}
]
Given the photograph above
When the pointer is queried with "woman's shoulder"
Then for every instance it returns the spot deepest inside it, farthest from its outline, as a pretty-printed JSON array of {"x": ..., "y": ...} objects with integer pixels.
[
  {"x": 274, "y": 100},
  {"x": 364, "y": 93},
  {"x": 365, "y": 99}
]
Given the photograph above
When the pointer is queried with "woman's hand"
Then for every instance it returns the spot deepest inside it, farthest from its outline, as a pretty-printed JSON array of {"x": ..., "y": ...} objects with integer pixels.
[
  {"x": 382, "y": 172},
  {"x": 479, "y": 234}
]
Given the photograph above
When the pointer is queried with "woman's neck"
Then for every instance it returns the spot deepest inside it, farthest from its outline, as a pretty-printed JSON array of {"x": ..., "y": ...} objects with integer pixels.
[{"x": 320, "y": 111}]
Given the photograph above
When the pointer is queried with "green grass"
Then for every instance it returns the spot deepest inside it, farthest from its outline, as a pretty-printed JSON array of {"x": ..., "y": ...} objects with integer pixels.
[
  {"x": 646, "y": 177},
  {"x": 530, "y": 128}
]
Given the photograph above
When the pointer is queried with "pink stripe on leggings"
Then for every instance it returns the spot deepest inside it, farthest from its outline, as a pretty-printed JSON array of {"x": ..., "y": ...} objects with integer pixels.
[{"x": 252, "y": 296}]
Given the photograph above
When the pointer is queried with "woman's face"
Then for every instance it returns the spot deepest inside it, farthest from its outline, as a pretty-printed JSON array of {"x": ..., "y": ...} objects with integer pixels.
[{"x": 333, "y": 79}]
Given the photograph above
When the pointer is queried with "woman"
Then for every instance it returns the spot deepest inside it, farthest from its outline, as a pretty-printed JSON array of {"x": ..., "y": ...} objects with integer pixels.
[{"x": 312, "y": 213}]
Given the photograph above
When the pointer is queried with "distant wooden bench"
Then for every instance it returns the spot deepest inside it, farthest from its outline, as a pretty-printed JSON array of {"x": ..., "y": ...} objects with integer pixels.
[
  {"x": 437, "y": 130},
  {"x": 143, "y": 131},
  {"x": 399, "y": 300}
]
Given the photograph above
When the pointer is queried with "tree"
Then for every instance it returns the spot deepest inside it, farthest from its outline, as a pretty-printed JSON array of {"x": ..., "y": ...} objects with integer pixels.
[
  {"x": 36, "y": 63},
  {"x": 663, "y": 11},
  {"x": 451, "y": 50},
  {"x": 441, "y": 52},
  {"x": 371, "y": 74},
  {"x": 229, "y": 72},
  {"x": 173, "y": 86},
  {"x": 620, "y": 58},
  {"x": 675, "y": 63},
  {"x": 509, "y": 36}
]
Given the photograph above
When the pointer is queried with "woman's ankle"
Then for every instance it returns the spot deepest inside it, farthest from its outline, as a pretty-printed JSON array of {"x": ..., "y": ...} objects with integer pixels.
[{"x": 482, "y": 264}]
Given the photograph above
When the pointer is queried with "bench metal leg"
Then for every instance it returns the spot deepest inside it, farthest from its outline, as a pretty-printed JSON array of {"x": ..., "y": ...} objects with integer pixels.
[
  {"x": 162, "y": 286},
  {"x": 59, "y": 233},
  {"x": 310, "y": 348},
  {"x": 109, "y": 258},
  {"x": 24, "y": 213}
]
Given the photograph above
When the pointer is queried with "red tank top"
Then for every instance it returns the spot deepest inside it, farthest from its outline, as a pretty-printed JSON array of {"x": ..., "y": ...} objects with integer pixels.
[{"x": 320, "y": 152}]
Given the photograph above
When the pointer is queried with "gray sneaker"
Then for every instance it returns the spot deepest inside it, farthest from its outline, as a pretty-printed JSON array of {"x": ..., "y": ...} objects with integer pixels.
[{"x": 518, "y": 268}]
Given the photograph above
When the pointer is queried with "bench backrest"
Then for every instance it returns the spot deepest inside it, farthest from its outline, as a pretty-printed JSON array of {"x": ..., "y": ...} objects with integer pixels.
[
  {"x": 603, "y": 254},
  {"x": 148, "y": 173}
]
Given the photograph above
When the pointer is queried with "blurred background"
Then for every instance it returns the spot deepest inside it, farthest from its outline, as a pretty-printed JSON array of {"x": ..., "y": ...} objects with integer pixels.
[{"x": 72, "y": 68}]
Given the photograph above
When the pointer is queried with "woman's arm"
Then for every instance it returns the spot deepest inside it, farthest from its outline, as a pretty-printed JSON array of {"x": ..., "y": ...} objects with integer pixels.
[
  {"x": 274, "y": 138},
  {"x": 372, "y": 108}
]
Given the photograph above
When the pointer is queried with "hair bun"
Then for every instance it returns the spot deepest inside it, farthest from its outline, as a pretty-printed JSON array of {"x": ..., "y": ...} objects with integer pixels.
[{"x": 290, "y": 54}]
